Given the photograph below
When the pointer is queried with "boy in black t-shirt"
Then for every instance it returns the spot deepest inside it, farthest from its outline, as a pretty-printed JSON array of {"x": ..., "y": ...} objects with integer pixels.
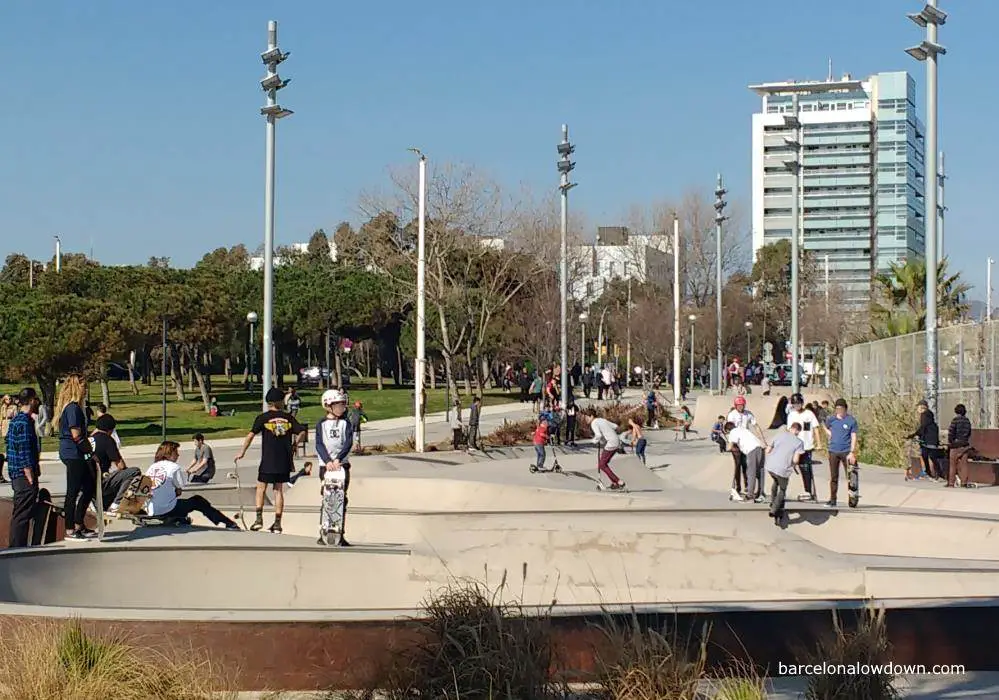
[
  {"x": 115, "y": 475},
  {"x": 280, "y": 434}
]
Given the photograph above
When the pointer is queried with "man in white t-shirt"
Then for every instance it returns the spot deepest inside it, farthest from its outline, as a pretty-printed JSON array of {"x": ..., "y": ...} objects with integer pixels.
[
  {"x": 750, "y": 445},
  {"x": 608, "y": 442},
  {"x": 808, "y": 421},
  {"x": 168, "y": 483},
  {"x": 740, "y": 417}
]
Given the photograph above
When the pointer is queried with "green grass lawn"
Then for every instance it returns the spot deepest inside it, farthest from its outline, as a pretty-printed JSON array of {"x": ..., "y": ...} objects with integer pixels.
[{"x": 139, "y": 416}]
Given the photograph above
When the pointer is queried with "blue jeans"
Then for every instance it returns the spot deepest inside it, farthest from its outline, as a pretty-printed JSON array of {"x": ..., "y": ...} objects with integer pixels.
[
  {"x": 640, "y": 449},
  {"x": 540, "y": 451}
]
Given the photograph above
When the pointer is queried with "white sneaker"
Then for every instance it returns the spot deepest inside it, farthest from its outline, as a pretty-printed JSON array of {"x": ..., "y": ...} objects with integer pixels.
[
  {"x": 734, "y": 495},
  {"x": 760, "y": 499}
]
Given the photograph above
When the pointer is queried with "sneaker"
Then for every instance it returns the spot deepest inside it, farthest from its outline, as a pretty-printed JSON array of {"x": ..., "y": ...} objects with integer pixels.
[
  {"x": 88, "y": 533},
  {"x": 618, "y": 486},
  {"x": 113, "y": 508},
  {"x": 231, "y": 526},
  {"x": 760, "y": 499},
  {"x": 734, "y": 495},
  {"x": 831, "y": 503},
  {"x": 258, "y": 524},
  {"x": 76, "y": 536},
  {"x": 276, "y": 527}
]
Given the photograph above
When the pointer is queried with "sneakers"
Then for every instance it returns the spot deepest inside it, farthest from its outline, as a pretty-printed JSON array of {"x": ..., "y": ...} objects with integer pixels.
[
  {"x": 806, "y": 497},
  {"x": 276, "y": 527},
  {"x": 734, "y": 495},
  {"x": 231, "y": 525},
  {"x": 618, "y": 486},
  {"x": 831, "y": 503},
  {"x": 760, "y": 499},
  {"x": 258, "y": 524},
  {"x": 81, "y": 535}
]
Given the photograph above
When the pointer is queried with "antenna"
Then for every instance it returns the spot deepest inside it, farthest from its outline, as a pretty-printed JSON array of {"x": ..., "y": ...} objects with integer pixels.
[{"x": 829, "y": 79}]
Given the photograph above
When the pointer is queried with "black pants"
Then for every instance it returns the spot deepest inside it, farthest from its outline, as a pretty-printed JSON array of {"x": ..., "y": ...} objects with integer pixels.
[
  {"x": 25, "y": 498},
  {"x": 807, "y": 475},
  {"x": 456, "y": 436},
  {"x": 115, "y": 485},
  {"x": 197, "y": 504},
  {"x": 650, "y": 418},
  {"x": 586, "y": 389},
  {"x": 570, "y": 430},
  {"x": 740, "y": 480},
  {"x": 81, "y": 485}
]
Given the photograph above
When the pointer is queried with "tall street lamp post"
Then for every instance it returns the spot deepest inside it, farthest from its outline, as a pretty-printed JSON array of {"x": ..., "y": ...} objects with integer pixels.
[
  {"x": 251, "y": 318},
  {"x": 565, "y": 166},
  {"x": 677, "y": 374},
  {"x": 583, "y": 317},
  {"x": 794, "y": 164},
  {"x": 720, "y": 217},
  {"x": 929, "y": 50},
  {"x": 749, "y": 354},
  {"x": 420, "y": 371},
  {"x": 272, "y": 111},
  {"x": 692, "y": 318}
]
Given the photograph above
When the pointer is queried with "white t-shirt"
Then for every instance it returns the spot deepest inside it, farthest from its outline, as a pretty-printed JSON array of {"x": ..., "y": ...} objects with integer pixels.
[
  {"x": 741, "y": 420},
  {"x": 167, "y": 478},
  {"x": 603, "y": 429},
  {"x": 744, "y": 439},
  {"x": 808, "y": 423}
]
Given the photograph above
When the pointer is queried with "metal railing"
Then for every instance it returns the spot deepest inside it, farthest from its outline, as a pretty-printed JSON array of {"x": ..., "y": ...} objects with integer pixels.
[{"x": 967, "y": 369}]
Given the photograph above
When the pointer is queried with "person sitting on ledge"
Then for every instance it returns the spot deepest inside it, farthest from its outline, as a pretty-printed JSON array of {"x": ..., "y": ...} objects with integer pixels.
[
  {"x": 168, "y": 483},
  {"x": 115, "y": 475}
]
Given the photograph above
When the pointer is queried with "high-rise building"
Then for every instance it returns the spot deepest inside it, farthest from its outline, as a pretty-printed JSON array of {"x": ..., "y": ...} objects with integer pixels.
[{"x": 862, "y": 179}]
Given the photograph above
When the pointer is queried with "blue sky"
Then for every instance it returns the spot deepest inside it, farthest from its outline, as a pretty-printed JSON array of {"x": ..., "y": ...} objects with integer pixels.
[{"x": 134, "y": 127}]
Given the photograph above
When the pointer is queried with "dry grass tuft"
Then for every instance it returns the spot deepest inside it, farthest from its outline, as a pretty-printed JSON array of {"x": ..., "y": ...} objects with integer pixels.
[
  {"x": 64, "y": 660},
  {"x": 866, "y": 645},
  {"x": 884, "y": 419}
]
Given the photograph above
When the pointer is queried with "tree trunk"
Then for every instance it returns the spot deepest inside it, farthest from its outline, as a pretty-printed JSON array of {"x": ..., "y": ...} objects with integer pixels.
[
  {"x": 227, "y": 368},
  {"x": 47, "y": 384},
  {"x": 432, "y": 367},
  {"x": 447, "y": 354},
  {"x": 189, "y": 361},
  {"x": 202, "y": 385},
  {"x": 132, "y": 386},
  {"x": 147, "y": 366},
  {"x": 178, "y": 381},
  {"x": 400, "y": 376},
  {"x": 105, "y": 392},
  {"x": 338, "y": 374},
  {"x": 378, "y": 368}
]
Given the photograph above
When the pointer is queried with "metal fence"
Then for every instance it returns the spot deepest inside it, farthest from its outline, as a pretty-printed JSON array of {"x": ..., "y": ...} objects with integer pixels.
[{"x": 967, "y": 369}]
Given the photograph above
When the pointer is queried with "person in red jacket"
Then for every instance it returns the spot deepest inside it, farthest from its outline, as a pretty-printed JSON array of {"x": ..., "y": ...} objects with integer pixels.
[{"x": 540, "y": 441}]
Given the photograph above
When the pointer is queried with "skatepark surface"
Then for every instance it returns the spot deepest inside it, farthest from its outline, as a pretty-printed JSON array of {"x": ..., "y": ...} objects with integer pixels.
[{"x": 672, "y": 541}]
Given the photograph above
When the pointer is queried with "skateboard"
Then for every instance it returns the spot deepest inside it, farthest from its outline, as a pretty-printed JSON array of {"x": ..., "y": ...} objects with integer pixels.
[
  {"x": 331, "y": 509},
  {"x": 853, "y": 482},
  {"x": 45, "y": 520},
  {"x": 234, "y": 476},
  {"x": 133, "y": 501}
]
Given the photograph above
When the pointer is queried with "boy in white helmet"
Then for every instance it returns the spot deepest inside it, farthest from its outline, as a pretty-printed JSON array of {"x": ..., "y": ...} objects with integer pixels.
[{"x": 334, "y": 440}]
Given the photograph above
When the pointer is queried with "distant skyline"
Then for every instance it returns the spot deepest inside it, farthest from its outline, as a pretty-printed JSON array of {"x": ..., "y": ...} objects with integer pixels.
[{"x": 136, "y": 125}]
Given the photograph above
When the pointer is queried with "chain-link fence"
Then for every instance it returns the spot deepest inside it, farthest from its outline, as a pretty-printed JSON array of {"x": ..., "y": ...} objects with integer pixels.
[{"x": 967, "y": 369}]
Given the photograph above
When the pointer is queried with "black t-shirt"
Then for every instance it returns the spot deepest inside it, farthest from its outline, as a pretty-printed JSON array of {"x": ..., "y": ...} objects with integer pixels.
[
  {"x": 105, "y": 450},
  {"x": 277, "y": 429}
]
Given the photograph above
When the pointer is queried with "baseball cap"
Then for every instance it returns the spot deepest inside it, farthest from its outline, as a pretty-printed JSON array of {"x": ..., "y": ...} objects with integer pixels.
[{"x": 274, "y": 395}]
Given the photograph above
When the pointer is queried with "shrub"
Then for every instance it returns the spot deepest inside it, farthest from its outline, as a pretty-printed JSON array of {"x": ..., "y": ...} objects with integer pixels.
[
  {"x": 521, "y": 432},
  {"x": 473, "y": 646},
  {"x": 740, "y": 687},
  {"x": 866, "y": 645},
  {"x": 64, "y": 660},
  {"x": 884, "y": 420},
  {"x": 642, "y": 663}
]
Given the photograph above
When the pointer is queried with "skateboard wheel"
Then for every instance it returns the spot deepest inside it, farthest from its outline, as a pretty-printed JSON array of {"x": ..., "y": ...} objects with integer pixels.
[
  {"x": 533, "y": 469},
  {"x": 558, "y": 469}
]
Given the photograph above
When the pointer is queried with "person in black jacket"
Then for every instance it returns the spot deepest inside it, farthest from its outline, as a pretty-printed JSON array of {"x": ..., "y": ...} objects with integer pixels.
[
  {"x": 928, "y": 435},
  {"x": 959, "y": 441}
]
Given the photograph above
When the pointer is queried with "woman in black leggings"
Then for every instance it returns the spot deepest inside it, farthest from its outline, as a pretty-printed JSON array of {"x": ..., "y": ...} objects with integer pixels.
[{"x": 74, "y": 451}]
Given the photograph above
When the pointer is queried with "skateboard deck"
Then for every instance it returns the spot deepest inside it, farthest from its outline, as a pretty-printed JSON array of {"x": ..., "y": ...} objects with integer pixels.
[
  {"x": 45, "y": 519},
  {"x": 133, "y": 501},
  {"x": 853, "y": 481},
  {"x": 331, "y": 511}
]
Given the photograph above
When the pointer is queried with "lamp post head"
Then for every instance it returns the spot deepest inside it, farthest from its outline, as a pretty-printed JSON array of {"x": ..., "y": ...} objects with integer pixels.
[
  {"x": 749, "y": 324},
  {"x": 251, "y": 317},
  {"x": 583, "y": 316},
  {"x": 692, "y": 318}
]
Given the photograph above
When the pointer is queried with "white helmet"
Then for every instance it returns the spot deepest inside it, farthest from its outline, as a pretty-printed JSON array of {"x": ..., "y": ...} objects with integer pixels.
[{"x": 332, "y": 396}]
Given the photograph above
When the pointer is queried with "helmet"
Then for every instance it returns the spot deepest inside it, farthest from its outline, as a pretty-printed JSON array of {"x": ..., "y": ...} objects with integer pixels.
[
  {"x": 332, "y": 396},
  {"x": 740, "y": 401},
  {"x": 797, "y": 399}
]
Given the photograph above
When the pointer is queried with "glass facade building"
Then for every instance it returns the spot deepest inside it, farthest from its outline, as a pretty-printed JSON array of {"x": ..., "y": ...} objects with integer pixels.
[{"x": 861, "y": 178}]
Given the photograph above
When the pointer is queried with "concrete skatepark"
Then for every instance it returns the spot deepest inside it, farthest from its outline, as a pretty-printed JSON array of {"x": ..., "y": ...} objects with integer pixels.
[{"x": 672, "y": 543}]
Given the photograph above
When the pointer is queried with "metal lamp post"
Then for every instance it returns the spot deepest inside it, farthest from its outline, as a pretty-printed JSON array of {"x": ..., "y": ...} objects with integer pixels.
[
  {"x": 692, "y": 318},
  {"x": 749, "y": 354},
  {"x": 930, "y": 18},
  {"x": 988, "y": 290},
  {"x": 676, "y": 309},
  {"x": 600, "y": 338},
  {"x": 720, "y": 217},
  {"x": 420, "y": 371},
  {"x": 251, "y": 318},
  {"x": 565, "y": 166},
  {"x": 58, "y": 254},
  {"x": 583, "y": 317},
  {"x": 794, "y": 165},
  {"x": 272, "y": 111},
  {"x": 163, "y": 378}
]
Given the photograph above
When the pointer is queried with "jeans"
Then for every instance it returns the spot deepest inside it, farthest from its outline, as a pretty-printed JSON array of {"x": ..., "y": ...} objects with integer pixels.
[
  {"x": 25, "y": 497},
  {"x": 603, "y": 464},
  {"x": 640, "y": 448},
  {"x": 473, "y": 435},
  {"x": 778, "y": 494},
  {"x": 115, "y": 485},
  {"x": 807, "y": 475},
  {"x": 197, "y": 504},
  {"x": 754, "y": 473},
  {"x": 835, "y": 460},
  {"x": 81, "y": 485},
  {"x": 539, "y": 451}
]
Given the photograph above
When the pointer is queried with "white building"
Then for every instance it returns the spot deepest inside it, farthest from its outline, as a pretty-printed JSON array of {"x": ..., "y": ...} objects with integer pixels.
[
  {"x": 257, "y": 261},
  {"x": 620, "y": 255}
]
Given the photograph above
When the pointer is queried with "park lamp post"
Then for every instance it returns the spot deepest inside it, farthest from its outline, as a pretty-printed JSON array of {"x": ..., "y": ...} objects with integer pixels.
[
  {"x": 749, "y": 354},
  {"x": 251, "y": 318},
  {"x": 163, "y": 378},
  {"x": 583, "y": 317},
  {"x": 565, "y": 166},
  {"x": 794, "y": 165},
  {"x": 272, "y": 111},
  {"x": 420, "y": 370},
  {"x": 692, "y": 318},
  {"x": 929, "y": 50},
  {"x": 720, "y": 217}
]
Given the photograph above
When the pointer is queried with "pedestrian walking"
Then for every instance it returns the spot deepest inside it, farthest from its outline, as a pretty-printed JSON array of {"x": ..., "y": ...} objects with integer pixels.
[
  {"x": 474, "y": 412},
  {"x": 571, "y": 412},
  {"x": 23, "y": 466},
  {"x": 74, "y": 451},
  {"x": 959, "y": 442},
  {"x": 280, "y": 433}
]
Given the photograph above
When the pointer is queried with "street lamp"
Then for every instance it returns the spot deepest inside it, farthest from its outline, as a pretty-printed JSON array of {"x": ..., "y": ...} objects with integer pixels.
[
  {"x": 582, "y": 338},
  {"x": 421, "y": 297},
  {"x": 720, "y": 217},
  {"x": 794, "y": 165},
  {"x": 565, "y": 166},
  {"x": 676, "y": 309},
  {"x": 251, "y": 318},
  {"x": 988, "y": 290},
  {"x": 749, "y": 327},
  {"x": 600, "y": 338},
  {"x": 272, "y": 111},
  {"x": 692, "y": 318},
  {"x": 928, "y": 50},
  {"x": 58, "y": 254}
]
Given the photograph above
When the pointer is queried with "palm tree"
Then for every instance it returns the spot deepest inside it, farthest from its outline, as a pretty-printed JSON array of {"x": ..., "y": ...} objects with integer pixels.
[{"x": 899, "y": 304}]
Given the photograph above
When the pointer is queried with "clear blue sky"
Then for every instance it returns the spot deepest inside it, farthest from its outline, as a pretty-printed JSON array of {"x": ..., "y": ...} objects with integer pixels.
[{"x": 136, "y": 124}]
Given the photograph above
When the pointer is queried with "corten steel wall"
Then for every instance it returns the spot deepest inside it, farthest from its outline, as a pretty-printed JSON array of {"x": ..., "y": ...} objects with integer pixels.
[{"x": 967, "y": 369}]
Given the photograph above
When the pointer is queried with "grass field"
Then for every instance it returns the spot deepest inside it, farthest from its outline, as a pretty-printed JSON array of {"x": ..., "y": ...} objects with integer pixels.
[{"x": 139, "y": 417}]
